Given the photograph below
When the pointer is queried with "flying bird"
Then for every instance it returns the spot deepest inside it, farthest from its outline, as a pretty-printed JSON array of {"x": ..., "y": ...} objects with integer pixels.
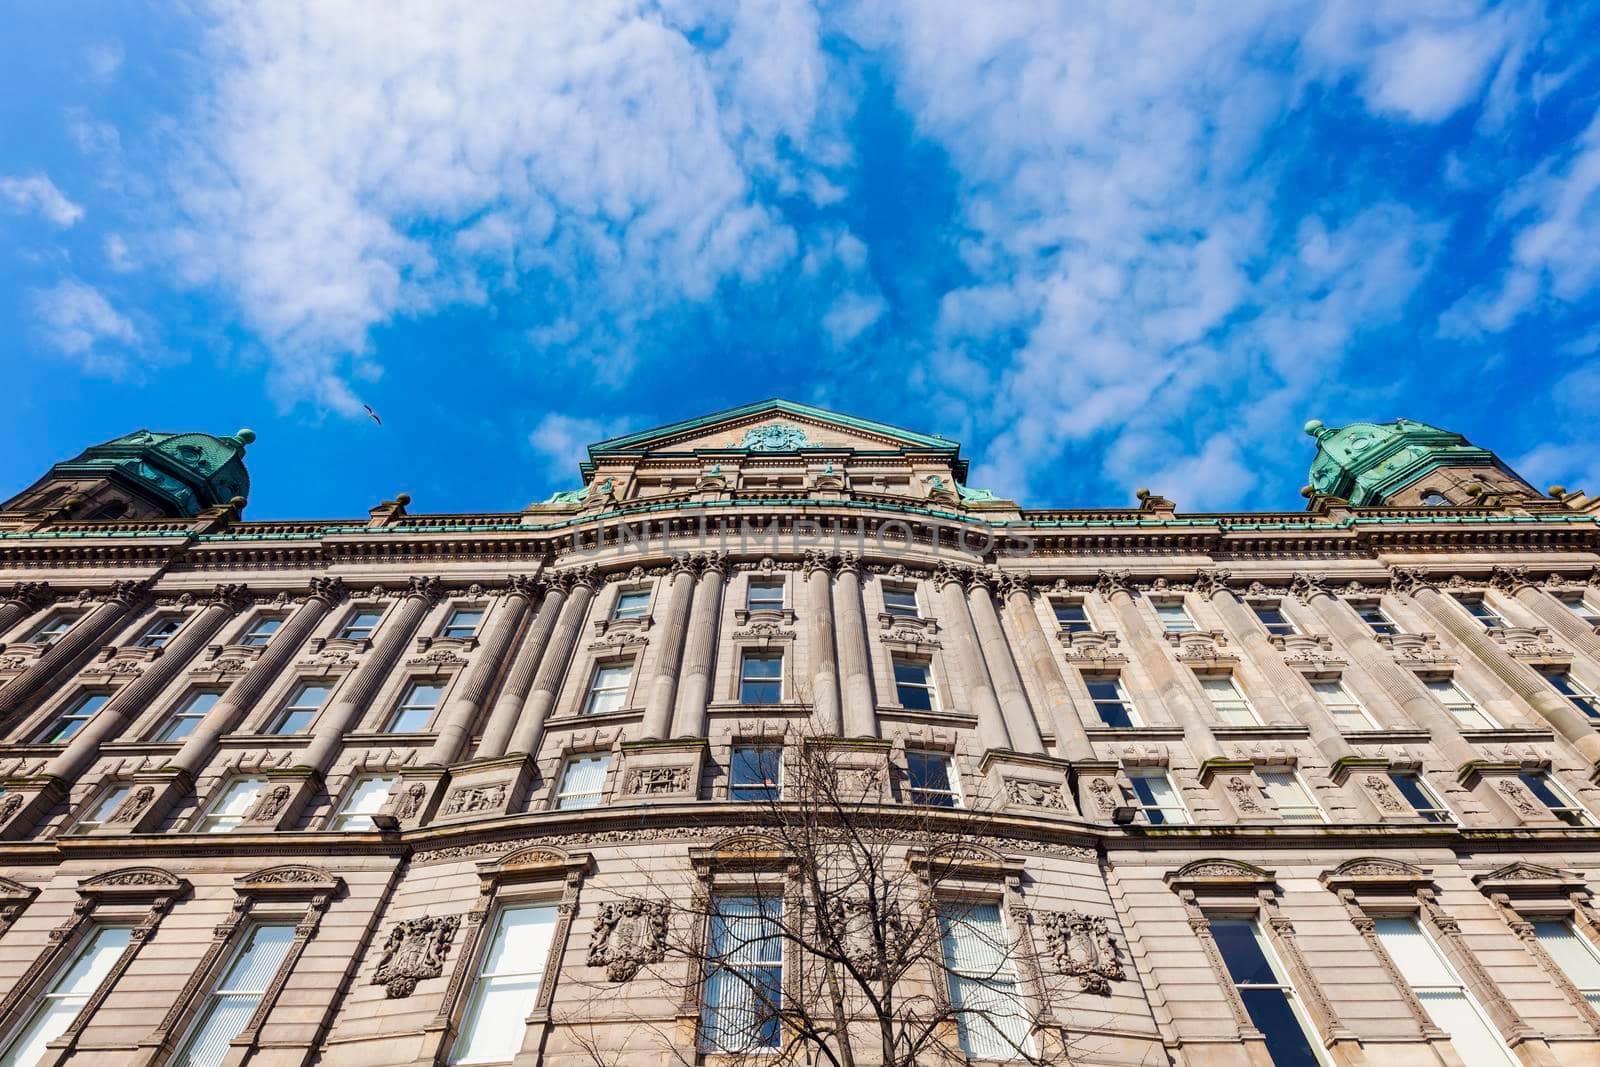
[{"x": 373, "y": 415}]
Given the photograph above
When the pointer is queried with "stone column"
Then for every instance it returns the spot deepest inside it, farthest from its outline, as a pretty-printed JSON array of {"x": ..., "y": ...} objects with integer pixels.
[
  {"x": 514, "y": 694},
  {"x": 1014, "y": 706},
  {"x": 24, "y": 599},
  {"x": 1523, "y": 679},
  {"x": 455, "y": 721},
  {"x": 694, "y": 691},
  {"x": 1116, "y": 588},
  {"x": 820, "y": 630},
  {"x": 1072, "y": 742},
  {"x": 135, "y": 698},
  {"x": 74, "y": 644},
  {"x": 668, "y": 637},
  {"x": 1401, "y": 685},
  {"x": 356, "y": 695},
  {"x": 547, "y": 683},
  {"x": 1513, "y": 581},
  {"x": 1289, "y": 684},
  {"x": 951, "y": 583},
  {"x": 855, "y": 660}
]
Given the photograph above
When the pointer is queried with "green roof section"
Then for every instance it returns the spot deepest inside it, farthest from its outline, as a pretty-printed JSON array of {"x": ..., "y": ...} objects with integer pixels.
[
  {"x": 187, "y": 471},
  {"x": 1368, "y": 462}
]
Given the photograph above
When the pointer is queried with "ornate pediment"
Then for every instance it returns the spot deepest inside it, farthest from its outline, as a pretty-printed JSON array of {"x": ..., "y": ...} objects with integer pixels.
[
  {"x": 1220, "y": 874},
  {"x": 1529, "y": 879},
  {"x": 134, "y": 882},
  {"x": 292, "y": 878},
  {"x": 1377, "y": 872}
]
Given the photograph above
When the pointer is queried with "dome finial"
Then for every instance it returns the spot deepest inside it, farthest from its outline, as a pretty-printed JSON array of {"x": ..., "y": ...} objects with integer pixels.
[
  {"x": 246, "y": 436},
  {"x": 1313, "y": 427}
]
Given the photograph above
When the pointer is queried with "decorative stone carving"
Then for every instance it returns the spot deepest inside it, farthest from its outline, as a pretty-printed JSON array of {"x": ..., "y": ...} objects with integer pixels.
[
  {"x": 270, "y": 804},
  {"x": 1202, "y": 647},
  {"x": 438, "y": 656},
  {"x": 1113, "y": 581},
  {"x": 764, "y": 631},
  {"x": 1244, "y": 796},
  {"x": 416, "y": 949},
  {"x": 1082, "y": 946},
  {"x": 1030, "y": 794},
  {"x": 1515, "y": 795},
  {"x": 469, "y": 799},
  {"x": 654, "y": 781},
  {"x": 1409, "y": 579},
  {"x": 1305, "y": 586},
  {"x": 1382, "y": 791},
  {"x": 1093, "y": 647},
  {"x": 410, "y": 801},
  {"x": 133, "y": 805},
  {"x": 1308, "y": 651},
  {"x": 133, "y": 877},
  {"x": 628, "y": 935},
  {"x": 856, "y": 930},
  {"x": 1414, "y": 648},
  {"x": 1209, "y": 583},
  {"x": 31, "y": 595},
  {"x": 8, "y": 806},
  {"x": 1529, "y": 642},
  {"x": 774, "y": 437},
  {"x": 1104, "y": 793}
]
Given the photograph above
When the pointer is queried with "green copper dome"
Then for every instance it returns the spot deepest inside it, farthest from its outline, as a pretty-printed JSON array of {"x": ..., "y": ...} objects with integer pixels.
[
  {"x": 1368, "y": 462},
  {"x": 190, "y": 471}
]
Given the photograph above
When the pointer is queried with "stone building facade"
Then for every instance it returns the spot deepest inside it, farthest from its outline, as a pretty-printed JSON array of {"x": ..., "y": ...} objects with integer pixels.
[{"x": 1270, "y": 788}]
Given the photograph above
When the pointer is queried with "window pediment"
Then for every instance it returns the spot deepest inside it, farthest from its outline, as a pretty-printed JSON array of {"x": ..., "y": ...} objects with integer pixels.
[
  {"x": 1221, "y": 874},
  {"x": 1530, "y": 879},
  {"x": 1372, "y": 873},
  {"x": 133, "y": 882}
]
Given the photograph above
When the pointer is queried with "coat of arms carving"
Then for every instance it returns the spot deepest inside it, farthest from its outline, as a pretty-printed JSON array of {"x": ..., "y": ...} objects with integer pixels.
[
  {"x": 1082, "y": 946},
  {"x": 628, "y": 934},
  {"x": 416, "y": 949}
]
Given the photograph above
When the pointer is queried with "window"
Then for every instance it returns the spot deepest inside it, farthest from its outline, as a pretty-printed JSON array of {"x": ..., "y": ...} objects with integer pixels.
[
  {"x": 1573, "y": 953},
  {"x": 1435, "y": 499},
  {"x": 462, "y": 623},
  {"x": 1373, "y": 616},
  {"x": 1583, "y": 698},
  {"x": 302, "y": 707},
  {"x": 761, "y": 678},
  {"x": 72, "y": 718},
  {"x": 363, "y": 800},
  {"x": 1480, "y": 610},
  {"x": 583, "y": 782},
  {"x": 1111, "y": 700},
  {"x": 507, "y": 985},
  {"x": 1446, "y": 999},
  {"x": 1580, "y": 607},
  {"x": 901, "y": 601},
  {"x": 1421, "y": 797},
  {"x": 1347, "y": 712},
  {"x": 101, "y": 809},
  {"x": 1288, "y": 794},
  {"x": 59, "y": 1008},
  {"x": 1273, "y": 618},
  {"x": 1461, "y": 707},
  {"x": 990, "y": 1017},
  {"x": 608, "y": 690},
  {"x": 757, "y": 773},
  {"x": 631, "y": 604},
  {"x": 360, "y": 624},
  {"x": 158, "y": 633},
  {"x": 54, "y": 628},
  {"x": 186, "y": 716},
  {"x": 1270, "y": 1000},
  {"x": 234, "y": 998},
  {"x": 1555, "y": 798},
  {"x": 1174, "y": 617},
  {"x": 1160, "y": 802},
  {"x": 1228, "y": 701},
  {"x": 261, "y": 632},
  {"x": 744, "y": 988},
  {"x": 1071, "y": 616},
  {"x": 764, "y": 594},
  {"x": 933, "y": 780},
  {"x": 913, "y": 684},
  {"x": 231, "y": 806},
  {"x": 416, "y": 708}
]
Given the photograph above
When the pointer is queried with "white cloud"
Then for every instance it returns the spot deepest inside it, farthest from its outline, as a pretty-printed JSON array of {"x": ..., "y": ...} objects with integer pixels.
[
  {"x": 851, "y": 315},
  {"x": 560, "y": 440},
  {"x": 119, "y": 257},
  {"x": 77, "y": 320},
  {"x": 1429, "y": 74},
  {"x": 104, "y": 60},
  {"x": 37, "y": 193}
]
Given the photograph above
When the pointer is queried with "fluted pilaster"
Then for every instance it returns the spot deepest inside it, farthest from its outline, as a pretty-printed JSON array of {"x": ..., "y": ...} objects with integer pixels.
[
  {"x": 694, "y": 690},
  {"x": 820, "y": 631},
  {"x": 855, "y": 664},
  {"x": 22, "y": 600},
  {"x": 669, "y": 636},
  {"x": 530, "y": 653},
  {"x": 455, "y": 721},
  {"x": 1014, "y": 706},
  {"x": 1072, "y": 741},
  {"x": 992, "y": 732},
  {"x": 73, "y": 645},
  {"x": 1551, "y": 611},
  {"x": 547, "y": 683}
]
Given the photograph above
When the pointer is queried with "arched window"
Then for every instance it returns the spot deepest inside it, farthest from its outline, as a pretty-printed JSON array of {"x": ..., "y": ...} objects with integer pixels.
[
  {"x": 1432, "y": 498},
  {"x": 114, "y": 509}
]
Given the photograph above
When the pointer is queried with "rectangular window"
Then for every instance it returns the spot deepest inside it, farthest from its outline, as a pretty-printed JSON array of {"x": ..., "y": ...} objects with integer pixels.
[
  {"x": 302, "y": 707},
  {"x": 58, "y": 1008},
  {"x": 764, "y": 594},
  {"x": 231, "y": 806},
  {"x": 901, "y": 601},
  {"x": 1421, "y": 797},
  {"x": 1462, "y": 708},
  {"x": 462, "y": 623},
  {"x": 364, "y": 799},
  {"x": 631, "y": 604},
  {"x": 1290, "y": 796},
  {"x": 159, "y": 632},
  {"x": 1228, "y": 701},
  {"x": 761, "y": 678},
  {"x": 1580, "y": 607},
  {"x": 261, "y": 632},
  {"x": 1373, "y": 616},
  {"x": 71, "y": 719},
  {"x": 608, "y": 689},
  {"x": 1111, "y": 701},
  {"x": 101, "y": 809},
  {"x": 1573, "y": 953},
  {"x": 507, "y": 985},
  {"x": 187, "y": 715},
  {"x": 1448, "y": 1002},
  {"x": 360, "y": 624},
  {"x": 1479, "y": 609},
  {"x": 913, "y": 684},
  {"x": 1582, "y": 697},
  {"x": 757, "y": 773},
  {"x": 1273, "y": 618},
  {"x": 932, "y": 778},
  {"x": 54, "y": 628},
  {"x": 990, "y": 1016},
  {"x": 416, "y": 708},
  {"x": 1160, "y": 802},
  {"x": 1071, "y": 616},
  {"x": 1175, "y": 618},
  {"x": 1347, "y": 712},
  {"x": 583, "y": 782},
  {"x": 744, "y": 988},
  {"x": 1555, "y": 798},
  {"x": 236, "y": 995},
  {"x": 1269, "y": 998}
]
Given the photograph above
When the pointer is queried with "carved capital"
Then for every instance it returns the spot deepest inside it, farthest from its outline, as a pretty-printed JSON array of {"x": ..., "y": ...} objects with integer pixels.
[
  {"x": 31, "y": 595},
  {"x": 1509, "y": 579},
  {"x": 128, "y": 593},
  {"x": 1109, "y": 582},
  {"x": 330, "y": 590},
  {"x": 1209, "y": 583},
  {"x": 235, "y": 596},
  {"x": 428, "y": 588},
  {"x": 522, "y": 585},
  {"x": 1305, "y": 587},
  {"x": 814, "y": 559},
  {"x": 1011, "y": 584},
  {"x": 1409, "y": 580}
]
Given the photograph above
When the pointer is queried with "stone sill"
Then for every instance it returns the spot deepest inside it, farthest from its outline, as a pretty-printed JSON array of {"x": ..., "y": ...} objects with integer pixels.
[
  {"x": 1277, "y": 731},
  {"x": 952, "y": 719},
  {"x": 620, "y": 717}
]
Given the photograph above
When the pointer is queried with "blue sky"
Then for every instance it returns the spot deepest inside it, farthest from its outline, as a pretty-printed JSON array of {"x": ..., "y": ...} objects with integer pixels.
[{"x": 1104, "y": 246}]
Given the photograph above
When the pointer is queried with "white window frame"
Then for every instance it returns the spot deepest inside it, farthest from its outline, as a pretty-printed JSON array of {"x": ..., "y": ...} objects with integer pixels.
[
  {"x": 292, "y": 706},
  {"x": 1124, "y": 700},
  {"x": 1580, "y": 814},
  {"x": 149, "y": 637},
  {"x": 1285, "y": 628},
  {"x": 764, "y": 938},
  {"x": 1462, "y": 707},
  {"x": 484, "y": 981},
  {"x": 450, "y": 626},
  {"x": 1429, "y": 991},
  {"x": 25, "y": 1046},
  {"x": 1174, "y": 616},
  {"x": 769, "y": 586},
  {"x": 101, "y": 808},
  {"x": 952, "y": 775},
  {"x": 1172, "y": 815},
  {"x": 72, "y": 712},
  {"x": 998, "y": 983},
  {"x": 1383, "y": 625},
  {"x": 220, "y": 992},
  {"x": 1477, "y": 605},
  {"x": 597, "y": 693},
  {"x": 623, "y": 611},
  {"x": 409, "y": 704},
  {"x": 1439, "y": 806},
  {"x": 1581, "y": 955},
  {"x": 1283, "y": 985},
  {"x": 1070, "y": 626},
  {"x": 1344, "y": 703},
  {"x": 254, "y": 637},
  {"x": 1293, "y": 777},
  {"x": 214, "y": 821},
  {"x": 928, "y": 685},
  {"x": 1579, "y": 605},
  {"x": 349, "y": 818},
  {"x": 55, "y": 626},
  {"x": 183, "y": 712},
  {"x": 1225, "y": 706},
  {"x": 570, "y": 799},
  {"x": 350, "y": 630},
  {"x": 892, "y": 589},
  {"x": 1574, "y": 692},
  {"x": 746, "y": 656},
  {"x": 734, "y": 785}
]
